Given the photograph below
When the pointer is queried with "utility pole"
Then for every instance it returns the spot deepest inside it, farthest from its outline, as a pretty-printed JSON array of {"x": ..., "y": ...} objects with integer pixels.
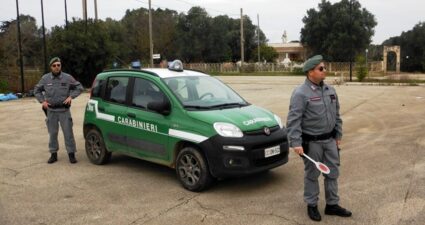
[
  {"x": 258, "y": 36},
  {"x": 85, "y": 10},
  {"x": 21, "y": 62},
  {"x": 351, "y": 43},
  {"x": 95, "y": 10},
  {"x": 150, "y": 34},
  {"x": 242, "y": 40},
  {"x": 85, "y": 13},
  {"x": 66, "y": 16},
  {"x": 44, "y": 38}
]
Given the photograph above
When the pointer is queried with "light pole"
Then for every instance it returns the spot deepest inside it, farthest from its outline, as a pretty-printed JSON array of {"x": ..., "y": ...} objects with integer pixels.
[
  {"x": 150, "y": 35},
  {"x": 351, "y": 43},
  {"x": 367, "y": 67},
  {"x": 21, "y": 61},
  {"x": 258, "y": 36},
  {"x": 44, "y": 38},
  {"x": 66, "y": 16}
]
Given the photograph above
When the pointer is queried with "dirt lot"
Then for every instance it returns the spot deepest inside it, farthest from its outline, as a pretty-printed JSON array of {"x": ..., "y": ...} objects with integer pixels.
[{"x": 382, "y": 169}]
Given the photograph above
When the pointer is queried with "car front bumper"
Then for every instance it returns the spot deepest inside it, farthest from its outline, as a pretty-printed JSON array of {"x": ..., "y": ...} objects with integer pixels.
[{"x": 229, "y": 163}]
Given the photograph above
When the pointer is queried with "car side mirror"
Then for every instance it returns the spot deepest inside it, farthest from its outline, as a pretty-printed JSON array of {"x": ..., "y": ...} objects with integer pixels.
[{"x": 162, "y": 107}]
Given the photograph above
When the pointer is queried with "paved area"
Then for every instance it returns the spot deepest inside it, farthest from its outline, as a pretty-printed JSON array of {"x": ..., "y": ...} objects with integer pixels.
[{"x": 382, "y": 181}]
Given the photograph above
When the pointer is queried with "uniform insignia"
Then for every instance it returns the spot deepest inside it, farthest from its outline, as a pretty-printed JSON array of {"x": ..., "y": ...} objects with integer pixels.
[{"x": 315, "y": 99}]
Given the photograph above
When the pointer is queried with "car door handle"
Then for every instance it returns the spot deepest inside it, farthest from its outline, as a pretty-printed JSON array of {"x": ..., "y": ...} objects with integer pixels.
[
  {"x": 101, "y": 109},
  {"x": 132, "y": 115}
]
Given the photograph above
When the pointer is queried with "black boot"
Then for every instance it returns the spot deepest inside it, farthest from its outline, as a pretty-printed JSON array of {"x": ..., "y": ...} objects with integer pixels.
[
  {"x": 72, "y": 158},
  {"x": 313, "y": 213},
  {"x": 337, "y": 211},
  {"x": 53, "y": 158}
]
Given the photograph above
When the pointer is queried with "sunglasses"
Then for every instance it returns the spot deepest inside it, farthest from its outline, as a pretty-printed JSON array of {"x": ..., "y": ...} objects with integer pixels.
[
  {"x": 321, "y": 68},
  {"x": 56, "y": 65}
]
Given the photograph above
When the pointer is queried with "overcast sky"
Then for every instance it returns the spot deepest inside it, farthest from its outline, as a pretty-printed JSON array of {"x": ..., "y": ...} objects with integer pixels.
[{"x": 393, "y": 16}]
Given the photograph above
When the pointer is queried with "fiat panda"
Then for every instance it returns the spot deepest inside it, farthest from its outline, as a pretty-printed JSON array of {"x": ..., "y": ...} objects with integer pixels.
[{"x": 183, "y": 119}]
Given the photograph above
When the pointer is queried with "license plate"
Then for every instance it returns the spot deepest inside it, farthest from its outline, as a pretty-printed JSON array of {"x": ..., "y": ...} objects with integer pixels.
[{"x": 271, "y": 151}]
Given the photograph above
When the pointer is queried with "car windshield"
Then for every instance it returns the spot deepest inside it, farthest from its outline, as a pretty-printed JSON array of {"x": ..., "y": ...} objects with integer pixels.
[{"x": 204, "y": 93}]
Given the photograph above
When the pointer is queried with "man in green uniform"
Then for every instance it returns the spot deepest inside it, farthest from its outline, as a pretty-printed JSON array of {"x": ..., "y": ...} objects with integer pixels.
[
  {"x": 55, "y": 92},
  {"x": 315, "y": 128}
]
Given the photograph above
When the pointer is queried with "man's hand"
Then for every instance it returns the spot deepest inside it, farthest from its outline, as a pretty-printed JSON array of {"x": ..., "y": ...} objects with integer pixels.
[
  {"x": 68, "y": 101},
  {"x": 299, "y": 150},
  {"x": 338, "y": 143},
  {"x": 45, "y": 105}
]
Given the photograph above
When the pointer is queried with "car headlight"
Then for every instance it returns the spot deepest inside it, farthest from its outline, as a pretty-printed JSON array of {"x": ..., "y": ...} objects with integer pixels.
[
  {"x": 228, "y": 130},
  {"x": 278, "y": 120}
]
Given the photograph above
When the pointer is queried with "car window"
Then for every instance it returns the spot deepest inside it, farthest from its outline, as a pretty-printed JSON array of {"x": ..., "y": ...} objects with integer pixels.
[
  {"x": 117, "y": 89},
  {"x": 144, "y": 92},
  {"x": 203, "y": 92},
  {"x": 97, "y": 87},
  {"x": 179, "y": 88}
]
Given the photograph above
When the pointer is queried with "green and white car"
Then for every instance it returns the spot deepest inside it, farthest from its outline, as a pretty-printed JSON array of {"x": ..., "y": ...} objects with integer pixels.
[{"x": 182, "y": 119}]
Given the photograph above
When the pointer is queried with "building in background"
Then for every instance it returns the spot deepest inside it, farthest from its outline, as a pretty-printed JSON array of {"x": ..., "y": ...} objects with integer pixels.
[{"x": 288, "y": 52}]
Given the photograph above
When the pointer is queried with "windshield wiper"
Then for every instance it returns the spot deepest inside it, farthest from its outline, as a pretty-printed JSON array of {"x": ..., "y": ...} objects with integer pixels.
[
  {"x": 196, "y": 107},
  {"x": 225, "y": 105}
]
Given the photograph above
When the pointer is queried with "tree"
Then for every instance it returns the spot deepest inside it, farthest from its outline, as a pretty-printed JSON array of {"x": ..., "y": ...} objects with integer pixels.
[
  {"x": 338, "y": 31},
  {"x": 193, "y": 35},
  {"x": 86, "y": 49},
  {"x": 31, "y": 42},
  {"x": 266, "y": 53},
  {"x": 412, "y": 44}
]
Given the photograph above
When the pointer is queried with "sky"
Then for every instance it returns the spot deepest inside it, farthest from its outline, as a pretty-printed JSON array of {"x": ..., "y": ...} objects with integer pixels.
[{"x": 275, "y": 16}]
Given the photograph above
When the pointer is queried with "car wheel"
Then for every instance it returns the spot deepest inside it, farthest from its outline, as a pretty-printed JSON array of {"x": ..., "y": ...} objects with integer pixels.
[
  {"x": 192, "y": 170},
  {"x": 95, "y": 148}
]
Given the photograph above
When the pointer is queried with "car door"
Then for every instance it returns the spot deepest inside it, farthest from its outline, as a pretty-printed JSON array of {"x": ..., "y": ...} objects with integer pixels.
[
  {"x": 148, "y": 135},
  {"x": 113, "y": 110}
]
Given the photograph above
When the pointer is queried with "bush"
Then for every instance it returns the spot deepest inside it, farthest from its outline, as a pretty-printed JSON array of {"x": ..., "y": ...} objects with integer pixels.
[
  {"x": 361, "y": 69},
  {"x": 4, "y": 86}
]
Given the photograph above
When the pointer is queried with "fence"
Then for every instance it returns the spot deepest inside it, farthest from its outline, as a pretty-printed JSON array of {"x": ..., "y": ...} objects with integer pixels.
[
  {"x": 33, "y": 75},
  {"x": 274, "y": 67},
  {"x": 12, "y": 78}
]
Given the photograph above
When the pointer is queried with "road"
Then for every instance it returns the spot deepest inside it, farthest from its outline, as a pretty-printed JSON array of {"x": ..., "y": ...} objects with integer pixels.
[{"x": 382, "y": 169}]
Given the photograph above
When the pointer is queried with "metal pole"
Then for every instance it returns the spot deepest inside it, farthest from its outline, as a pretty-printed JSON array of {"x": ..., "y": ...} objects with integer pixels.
[
  {"x": 367, "y": 67},
  {"x": 258, "y": 36},
  {"x": 85, "y": 13},
  {"x": 44, "y": 38},
  {"x": 66, "y": 16},
  {"x": 21, "y": 62},
  {"x": 150, "y": 35},
  {"x": 351, "y": 43},
  {"x": 85, "y": 10},
  {"x": 95, "y": 10},
  {"x": 242, "y": 40}
]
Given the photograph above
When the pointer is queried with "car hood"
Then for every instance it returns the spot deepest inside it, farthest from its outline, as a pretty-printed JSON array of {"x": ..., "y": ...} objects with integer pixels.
[{"x": 246, "y": 118}]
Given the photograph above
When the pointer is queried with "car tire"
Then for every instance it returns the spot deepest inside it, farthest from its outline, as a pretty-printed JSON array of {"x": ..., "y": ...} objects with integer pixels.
[
  {"x": 95, "y": 148},
  {"x": 192, "y": 170}
]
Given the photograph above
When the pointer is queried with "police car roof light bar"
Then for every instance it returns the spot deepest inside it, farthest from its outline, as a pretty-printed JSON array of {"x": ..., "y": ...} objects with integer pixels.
[{"x": 320, "y": 166}]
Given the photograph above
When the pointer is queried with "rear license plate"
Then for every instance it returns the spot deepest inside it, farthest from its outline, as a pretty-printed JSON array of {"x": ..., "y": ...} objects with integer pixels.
[{"x": 271, "y": 151}]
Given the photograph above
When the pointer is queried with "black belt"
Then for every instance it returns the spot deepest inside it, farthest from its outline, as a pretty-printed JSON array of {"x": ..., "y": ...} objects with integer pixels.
[
  {"x": 320, "y": 137},
  {"x": 59, "y": 106}
]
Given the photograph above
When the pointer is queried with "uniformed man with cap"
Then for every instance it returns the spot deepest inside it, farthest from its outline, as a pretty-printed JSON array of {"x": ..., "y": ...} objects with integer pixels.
[
  {"x": 315, "y": 128},
  {"x": 55, "y": 92}
]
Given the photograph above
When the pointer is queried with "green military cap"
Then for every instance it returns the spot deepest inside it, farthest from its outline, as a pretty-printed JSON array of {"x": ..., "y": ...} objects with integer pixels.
[
  {"x": 312, "y": 62},
  {"x": 53, "y": 60}
]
